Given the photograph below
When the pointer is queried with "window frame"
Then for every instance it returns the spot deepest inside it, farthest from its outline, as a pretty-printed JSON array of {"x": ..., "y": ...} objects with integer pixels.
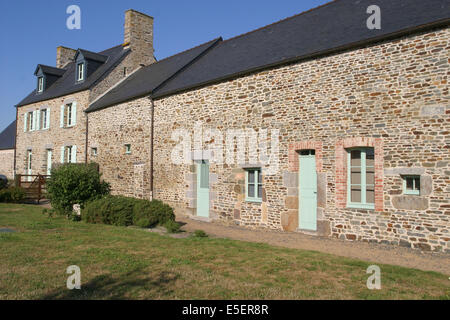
[
  {"x": 43, "y": 119},
  {"x": 256, "y": 182},
  {"x": 40, "y": 87},
  {"x": 94, "y": 154},
  {"x": 362, "y": 204},
  {"x": 128, "y": 148},
  {"x": 80, "y": 71},
  {"x": 31, "y": 121},
  {"x": 413, "y": 192}
]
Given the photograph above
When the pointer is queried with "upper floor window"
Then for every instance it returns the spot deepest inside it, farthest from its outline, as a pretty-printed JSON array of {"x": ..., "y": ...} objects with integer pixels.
[
  {"x": 361, "y": 178},
  {"x": 45, "y": 119},
  {"x": 128, "y": 148},
  {"x": 80, "y": 71},
  {"x": 253, "y": 184},
  {"x": 68, "y": 117},
  {"x": 31, "y": 120},
  {"x": 40, "y": 84}
]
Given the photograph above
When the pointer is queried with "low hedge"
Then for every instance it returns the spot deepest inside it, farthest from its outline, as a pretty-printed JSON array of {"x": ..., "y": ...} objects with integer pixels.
[
  {"x": 123, "y": 211},
  {"x": 12, "y": 195}
]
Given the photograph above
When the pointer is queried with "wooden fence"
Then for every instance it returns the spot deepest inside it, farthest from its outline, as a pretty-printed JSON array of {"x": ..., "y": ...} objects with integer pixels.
[{"x": 35, "y": 186}]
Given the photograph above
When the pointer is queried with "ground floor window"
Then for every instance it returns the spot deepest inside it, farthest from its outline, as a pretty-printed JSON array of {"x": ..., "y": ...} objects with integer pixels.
[
  {"x": 253, "y": 183},
  {"x": 361, "y": 178},
  {"x": 411, "y": 185},
  {"x": 69, "y": 154}
]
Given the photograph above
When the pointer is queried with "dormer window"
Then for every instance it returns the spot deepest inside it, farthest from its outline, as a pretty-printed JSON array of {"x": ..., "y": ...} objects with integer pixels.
[
  {"x": 80, "y": 71},
  {"x": 40, "y": 84}
]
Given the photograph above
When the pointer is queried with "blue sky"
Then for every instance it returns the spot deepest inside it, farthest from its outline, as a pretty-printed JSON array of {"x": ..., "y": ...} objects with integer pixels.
[{"x": 30, "y": 31}]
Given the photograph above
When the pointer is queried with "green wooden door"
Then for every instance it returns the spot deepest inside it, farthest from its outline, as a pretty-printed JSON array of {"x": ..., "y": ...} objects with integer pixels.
[
  {"x": 203, "y": 189},
  {"x": 308, "y": 191}
]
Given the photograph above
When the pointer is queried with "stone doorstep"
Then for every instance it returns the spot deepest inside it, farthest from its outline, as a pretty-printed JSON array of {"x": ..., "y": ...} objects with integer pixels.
[
  {"x": 197, "y": 218},
  {"x": 308, "y": 232}
]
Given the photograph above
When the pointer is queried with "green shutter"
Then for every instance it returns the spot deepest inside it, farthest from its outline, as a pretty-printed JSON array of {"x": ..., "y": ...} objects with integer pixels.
[
  {"x": 74, "y": 154},
  {"x": 38, "y": 119},
  {"x": 62, "y": 154},
  {"x": 48, "y": 119},
  {"x": 74, "y": 114},
  {"x": 25, "y": 122},
  {"x": 61, "y": 119}
]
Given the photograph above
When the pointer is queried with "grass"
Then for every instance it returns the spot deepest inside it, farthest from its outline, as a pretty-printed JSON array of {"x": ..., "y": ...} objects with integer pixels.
[{"x": 130, "y": 263}]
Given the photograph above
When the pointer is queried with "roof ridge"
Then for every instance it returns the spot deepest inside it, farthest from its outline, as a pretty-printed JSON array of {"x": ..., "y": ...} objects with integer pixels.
[
  {"x": 282, "y": 20},
  {"x": 176, "y": 54}
]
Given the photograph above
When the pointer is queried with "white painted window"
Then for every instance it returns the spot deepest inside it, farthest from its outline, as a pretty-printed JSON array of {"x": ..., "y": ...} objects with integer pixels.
[
  {"x": 80, "y": 72},
  {"x": 45, "y": 119},
  {"x": 128, "y": 148},
  {"x": 68, "y": 117},
  {"x": 69, "y": 154},
  {"x": 31, "y": 120},
  {"x": 94, "y": 152},
  {"x": 40, "y": 84},
  {"x": 49, "y": 161}
]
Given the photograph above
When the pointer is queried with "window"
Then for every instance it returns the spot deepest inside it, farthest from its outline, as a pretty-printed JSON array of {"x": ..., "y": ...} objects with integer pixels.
[
  {"x": 31, "y": 120},
  {"x": 361, "y": 178},
  {"x": 49, "y": 161},
  {"x": 94, "y": 152},
  {"x": 45, "y": 119},
  {"x": 411, "y": 185},
  {"x": 68, "y": 115},
  {"x": 80, "y": 72},
  {"x": 69, "y": 154},
  {"x": 40, "y": 84},
  {"x": 128, "y": 148},
  {"x": 253, "y": 182}
]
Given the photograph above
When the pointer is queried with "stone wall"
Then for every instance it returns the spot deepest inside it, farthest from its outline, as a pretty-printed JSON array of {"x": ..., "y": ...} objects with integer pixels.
[
  {"x": 393, "y": 95},
  {"x": 109, "y": 131},
  {"x": 7, "y": 163},
  {"x": 53, "y": 138}
]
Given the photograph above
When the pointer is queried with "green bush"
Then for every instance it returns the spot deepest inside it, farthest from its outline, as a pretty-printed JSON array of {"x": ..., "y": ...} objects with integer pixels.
[
  {"x": 172, "y": 226},
  {"x": 3, "y": 183},
  {"x": 147, "y": 214},
  {"x": 12, "y": 194},
  {"x": 112, "y": 210},
  {"x": 199, "y": 234},
  {"x": 123, "y": 211},
  {"x": 75, "y": 184}
]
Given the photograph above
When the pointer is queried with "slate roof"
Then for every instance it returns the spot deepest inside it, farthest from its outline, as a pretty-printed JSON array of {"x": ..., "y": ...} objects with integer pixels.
[
  {"x": 334, "y": 26},
  {"x": 8, "y": 137},
  {"x": 147, "y": 79},
  {"x": 67, "y": 85},
  {"x": 92, "y": 55},
  {"x": 50, "y": 70}
]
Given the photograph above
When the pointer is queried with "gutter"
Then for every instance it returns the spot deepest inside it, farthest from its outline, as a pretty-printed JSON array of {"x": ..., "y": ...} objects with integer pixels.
[
  {"x": 15, "y": 142},
  {"x": 152, "y": 126}
]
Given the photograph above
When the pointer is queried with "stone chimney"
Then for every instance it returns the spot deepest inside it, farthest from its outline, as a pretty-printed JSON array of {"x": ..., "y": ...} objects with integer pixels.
[
  {"x": 64, "y": 56},
  {"x": 139, "y": 37}
]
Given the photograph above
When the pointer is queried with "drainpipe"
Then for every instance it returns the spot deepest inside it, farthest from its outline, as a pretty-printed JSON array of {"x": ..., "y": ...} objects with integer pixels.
[
  {"x": 86, "y": 143},
  {"x": 151, "y": 146},
  {"x": 15, "y": 141}
]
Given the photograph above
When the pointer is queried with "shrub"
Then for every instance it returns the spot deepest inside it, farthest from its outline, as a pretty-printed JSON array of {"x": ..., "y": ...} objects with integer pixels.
[
  {"x": 123, "y": 211},
  {"x": 3, "y": 182},
  {"x": 75, "y": 184},
  {"x": 199, "y": 234},
  {"x": 113, "y": 210},
  {"x": 172, "y": 226},
  {"x": 147, "y": 214},
  {"x": 13, "y": 194}
]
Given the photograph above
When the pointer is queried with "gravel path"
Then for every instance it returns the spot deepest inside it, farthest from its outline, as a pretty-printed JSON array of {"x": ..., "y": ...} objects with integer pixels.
[{"x": 376, "y": 253}]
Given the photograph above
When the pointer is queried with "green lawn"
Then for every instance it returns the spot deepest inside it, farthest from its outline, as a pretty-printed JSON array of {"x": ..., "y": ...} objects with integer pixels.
[{"x": 128, "y": 263}]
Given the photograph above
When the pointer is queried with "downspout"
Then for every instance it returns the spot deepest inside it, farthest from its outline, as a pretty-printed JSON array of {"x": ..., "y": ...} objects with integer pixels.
[
  {"x": 86, "y": 143},
  {"x": 15, "y": 141},
  {"x": 151, "y": 146}
]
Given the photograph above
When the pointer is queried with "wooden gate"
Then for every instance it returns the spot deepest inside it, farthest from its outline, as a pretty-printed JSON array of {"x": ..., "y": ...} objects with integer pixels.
[{"x": 35, "y": 186}]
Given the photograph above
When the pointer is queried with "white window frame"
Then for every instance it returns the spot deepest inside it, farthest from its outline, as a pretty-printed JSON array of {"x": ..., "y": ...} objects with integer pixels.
[
  {"x": 45, "y": 118},
  {"x": 31, "y": 121},
  {"x": 80, "y": 71},
  {"x": 94, "y": 151},
  {"x": 363, "y": 204},
  {"x": 416, "y": 189},
  {"x": 128, "y": 148},
  {"x": 256, "y": 183},
  {"x": 40, "y": 84}
]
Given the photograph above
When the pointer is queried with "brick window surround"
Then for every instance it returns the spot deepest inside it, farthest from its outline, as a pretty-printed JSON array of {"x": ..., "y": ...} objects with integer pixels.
[
  {"x": 341, "y": 168},
  {"x": 305, "y": 145}
]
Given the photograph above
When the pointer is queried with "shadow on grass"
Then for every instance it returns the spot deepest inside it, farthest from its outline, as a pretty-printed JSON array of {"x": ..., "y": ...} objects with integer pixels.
[{"x": 133, "y": 285}]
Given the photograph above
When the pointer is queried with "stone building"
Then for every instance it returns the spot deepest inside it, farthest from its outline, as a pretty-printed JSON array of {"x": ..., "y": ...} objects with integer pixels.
[
  {"x": 7, "y": 148},
  {"x": 51, "y": 122},
  {"x": 321, "y": 123}
]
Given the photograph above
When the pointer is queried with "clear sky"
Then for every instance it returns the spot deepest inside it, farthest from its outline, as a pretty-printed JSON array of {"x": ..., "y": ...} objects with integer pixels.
[{"x": 30, "y": 31}]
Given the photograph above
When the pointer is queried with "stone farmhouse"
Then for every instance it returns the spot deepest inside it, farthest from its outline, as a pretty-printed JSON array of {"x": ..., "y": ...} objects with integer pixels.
[{"x": 320, "y": 123}]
